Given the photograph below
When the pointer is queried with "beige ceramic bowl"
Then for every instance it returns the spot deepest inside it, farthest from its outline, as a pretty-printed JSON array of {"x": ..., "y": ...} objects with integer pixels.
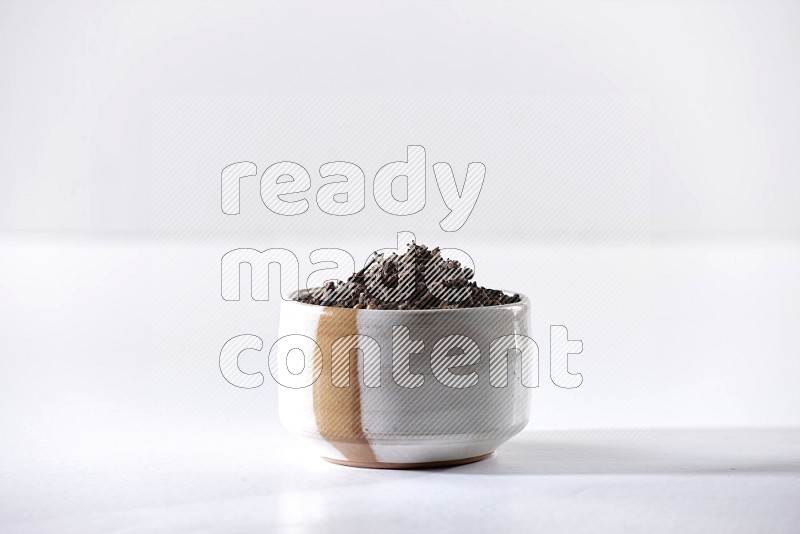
[{"x": 410, "y": 388}]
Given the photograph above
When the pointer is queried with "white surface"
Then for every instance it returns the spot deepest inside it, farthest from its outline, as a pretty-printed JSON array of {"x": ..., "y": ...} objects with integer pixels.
[
  {"x": 561, "y": 481},
  {"x": 116, "y": 416}
]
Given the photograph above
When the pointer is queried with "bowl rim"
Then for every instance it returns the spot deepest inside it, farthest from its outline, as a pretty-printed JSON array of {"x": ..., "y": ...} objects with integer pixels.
[{"x": 523, "y": 301}]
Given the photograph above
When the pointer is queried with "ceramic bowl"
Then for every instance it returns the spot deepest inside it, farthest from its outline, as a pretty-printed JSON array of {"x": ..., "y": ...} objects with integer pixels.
[{"x": 403, "y": 388}]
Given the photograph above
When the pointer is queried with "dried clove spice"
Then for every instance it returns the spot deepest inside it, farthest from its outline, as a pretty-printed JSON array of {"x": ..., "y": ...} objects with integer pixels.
[{"x": 419, "y": 279}]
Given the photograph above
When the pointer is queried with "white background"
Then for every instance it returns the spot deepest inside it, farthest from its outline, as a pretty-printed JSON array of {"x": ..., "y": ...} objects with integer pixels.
[{"x": 642, "y": 186}]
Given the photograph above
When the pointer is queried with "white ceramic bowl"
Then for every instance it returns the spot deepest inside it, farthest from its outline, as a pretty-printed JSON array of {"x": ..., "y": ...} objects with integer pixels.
[{"x": 390, "y": 388}]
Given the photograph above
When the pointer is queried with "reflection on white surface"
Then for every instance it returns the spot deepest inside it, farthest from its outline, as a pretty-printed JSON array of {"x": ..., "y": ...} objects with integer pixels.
[
  {"x": 698, "y": 480},
  {"x": 300, "y": 511}
]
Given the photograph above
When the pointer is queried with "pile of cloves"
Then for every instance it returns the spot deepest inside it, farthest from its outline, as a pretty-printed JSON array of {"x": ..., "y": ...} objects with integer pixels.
[{"x": 419, "y": 279}]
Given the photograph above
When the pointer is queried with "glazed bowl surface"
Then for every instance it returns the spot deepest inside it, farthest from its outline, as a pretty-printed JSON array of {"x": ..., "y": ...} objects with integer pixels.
[{"x": 404, "y": 388}]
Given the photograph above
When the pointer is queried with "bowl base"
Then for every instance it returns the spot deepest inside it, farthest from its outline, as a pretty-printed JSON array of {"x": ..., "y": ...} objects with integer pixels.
[{"x": 412, "y": 465}]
